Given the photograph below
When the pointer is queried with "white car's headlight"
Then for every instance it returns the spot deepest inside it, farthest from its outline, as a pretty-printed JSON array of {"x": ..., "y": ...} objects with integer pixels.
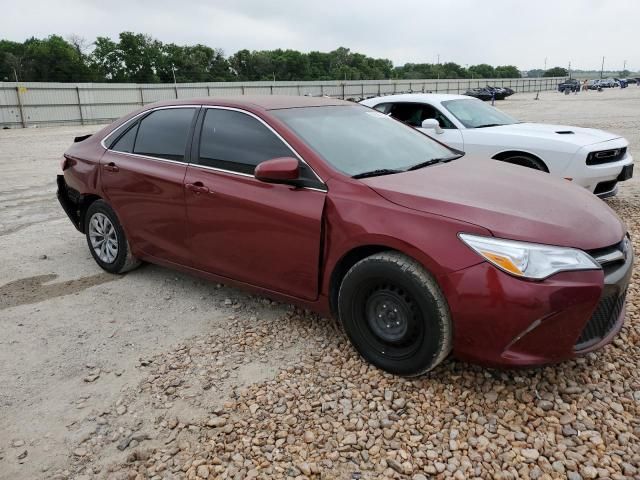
[{"x": 529, "y": 260}]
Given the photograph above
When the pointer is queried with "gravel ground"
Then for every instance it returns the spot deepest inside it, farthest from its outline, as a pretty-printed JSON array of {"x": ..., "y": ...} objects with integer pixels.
[{"x": 160, "y": 375}]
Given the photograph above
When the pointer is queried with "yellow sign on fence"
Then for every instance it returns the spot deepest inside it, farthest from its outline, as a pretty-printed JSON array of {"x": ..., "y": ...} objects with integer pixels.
[{"x": 22, "y": 89}]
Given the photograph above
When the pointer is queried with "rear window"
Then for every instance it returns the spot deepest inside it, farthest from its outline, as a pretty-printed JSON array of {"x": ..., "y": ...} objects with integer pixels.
[{"x": 163, "y": 134}]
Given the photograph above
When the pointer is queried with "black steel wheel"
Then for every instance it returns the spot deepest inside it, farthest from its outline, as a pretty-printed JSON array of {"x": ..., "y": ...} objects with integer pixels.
[{"x": 395, "y": 314}]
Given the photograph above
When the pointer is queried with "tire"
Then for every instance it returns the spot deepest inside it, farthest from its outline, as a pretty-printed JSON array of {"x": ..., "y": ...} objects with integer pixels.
[
  {"x": 398, "y": 287},
  {"x": 526, "y": 161},
  {"x": 113, "y": 254}
]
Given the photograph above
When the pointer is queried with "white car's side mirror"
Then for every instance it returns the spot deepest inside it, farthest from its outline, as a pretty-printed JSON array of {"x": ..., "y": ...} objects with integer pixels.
[{"x": 432, "y": 124}]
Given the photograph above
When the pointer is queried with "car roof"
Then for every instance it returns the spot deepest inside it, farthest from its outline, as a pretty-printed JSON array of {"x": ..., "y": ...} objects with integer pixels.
[
  {"x": 263, "y": 102},
  {"x": 416, "y": 97}
]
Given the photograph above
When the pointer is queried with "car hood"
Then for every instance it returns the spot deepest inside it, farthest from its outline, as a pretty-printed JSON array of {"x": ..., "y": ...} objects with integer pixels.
[
  {"x": 512, "y": 202},
  {"x": 579, "y": 136}
]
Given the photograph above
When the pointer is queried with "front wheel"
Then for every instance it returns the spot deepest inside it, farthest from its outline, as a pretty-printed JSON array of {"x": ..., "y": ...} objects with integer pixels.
[
  {"x": 395, "y": 315},
  {"x": 106, "y": 239}
]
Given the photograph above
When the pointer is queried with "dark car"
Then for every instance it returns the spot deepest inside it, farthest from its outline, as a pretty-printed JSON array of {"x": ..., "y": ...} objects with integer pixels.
[
  {"x": 483, "y": 94},
  {"x": 571, "y": 84},
  {"x": 341, "y": 209}
]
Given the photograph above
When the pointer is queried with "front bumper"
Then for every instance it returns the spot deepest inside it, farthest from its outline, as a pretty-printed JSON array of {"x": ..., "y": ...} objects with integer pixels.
[
  {"x": 503, "y": 321},
  {"x": 599, "y": 179}
]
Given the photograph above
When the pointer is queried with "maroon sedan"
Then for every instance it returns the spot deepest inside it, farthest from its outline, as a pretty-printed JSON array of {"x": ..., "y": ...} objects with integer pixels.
[{"x": 343, "y": 210}]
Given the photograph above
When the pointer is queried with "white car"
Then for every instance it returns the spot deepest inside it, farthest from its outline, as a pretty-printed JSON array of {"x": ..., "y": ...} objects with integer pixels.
[{"x": 592, "y": 158}]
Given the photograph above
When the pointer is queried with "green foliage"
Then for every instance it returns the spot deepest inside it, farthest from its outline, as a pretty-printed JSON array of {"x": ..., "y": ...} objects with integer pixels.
[
  {"x": 50, "y": 59},
  {"x": 139, "y": 58},
  {"x": 556, "y": 72},
  {"x": 535, "y": 73}
]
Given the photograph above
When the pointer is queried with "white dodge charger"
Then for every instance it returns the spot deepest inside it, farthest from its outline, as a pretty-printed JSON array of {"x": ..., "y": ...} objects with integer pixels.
[{"x": 592, "y": 158}]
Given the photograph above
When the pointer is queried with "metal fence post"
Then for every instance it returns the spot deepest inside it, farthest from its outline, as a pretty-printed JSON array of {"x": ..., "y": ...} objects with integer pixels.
[
  {"x": 175, "y": 87},
  {"x": 321, "y": 90},
  {"x": 23, "y": 120},
  {"x": 141, "y": 96},
  {"x": 79, "y": 105},
  {"x": 208, "y": 91},
  {"x": 271, "y": 89},
  {"x": 343, "y": 90}
]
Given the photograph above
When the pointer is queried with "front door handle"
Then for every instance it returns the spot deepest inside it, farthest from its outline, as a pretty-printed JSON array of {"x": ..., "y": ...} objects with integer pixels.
[
  {"x": 111, "y": 167},
  {"x": 197, "y": 187}
]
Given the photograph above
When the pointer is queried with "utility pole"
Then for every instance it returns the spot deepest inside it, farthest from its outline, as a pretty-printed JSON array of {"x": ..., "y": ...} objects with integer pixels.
[
  {"x": 175, "y": 84},
  {"x": 602, "y": 69},
  {"x": 624, "y": 65},
  {"x": 569, "y": 70},
  {"x": 545, "y": 64},
  {"x": 438, "y": 59}
]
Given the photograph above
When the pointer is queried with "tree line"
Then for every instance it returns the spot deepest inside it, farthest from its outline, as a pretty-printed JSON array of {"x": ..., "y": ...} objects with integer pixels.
[{"x": 139, "y": 58}]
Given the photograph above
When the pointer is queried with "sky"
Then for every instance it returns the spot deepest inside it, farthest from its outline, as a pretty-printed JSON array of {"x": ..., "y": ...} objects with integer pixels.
[{"x": 497, "y": 32}]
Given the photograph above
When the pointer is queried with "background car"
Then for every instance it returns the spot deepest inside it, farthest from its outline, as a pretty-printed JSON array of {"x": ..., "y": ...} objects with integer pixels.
[
  {"x": 346, "y": 211},
  {"x": 591, "y": 158},
  {"x": 571, "y": 84}
]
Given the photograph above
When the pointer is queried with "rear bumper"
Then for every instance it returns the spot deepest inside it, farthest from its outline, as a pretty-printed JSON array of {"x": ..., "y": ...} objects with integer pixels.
[
  {"x": 69, "y": 201},
  {"x": 503, "y": 321}
]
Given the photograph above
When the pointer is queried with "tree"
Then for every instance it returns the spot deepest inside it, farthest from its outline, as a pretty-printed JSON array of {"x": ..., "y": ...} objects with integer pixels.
[
  {"x": 507, "y": 71},
  {"x": 624, "y": 73},
  {"x": 535, "y": 73},
  {"x": 556, "y": 72},
  {"x": 482, "y": 71}
]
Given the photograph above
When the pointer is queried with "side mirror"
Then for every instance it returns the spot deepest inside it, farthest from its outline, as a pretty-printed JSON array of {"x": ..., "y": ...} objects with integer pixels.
[
  {"x": 278, "y": 170},
  {"x": 432, "y": 124}
]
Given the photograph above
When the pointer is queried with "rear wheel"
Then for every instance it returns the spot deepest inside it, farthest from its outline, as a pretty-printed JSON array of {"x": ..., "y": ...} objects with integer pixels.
[
  {"x": 395, "y": 315},
  {"x": 526, "y": 161},
  {"x": 106, "y": 239}
]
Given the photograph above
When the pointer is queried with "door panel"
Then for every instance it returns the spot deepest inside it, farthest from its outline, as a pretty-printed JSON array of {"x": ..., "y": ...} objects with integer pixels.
[
  {"x": 264, "y": 234},
  {"x": 148, "y": 197}
]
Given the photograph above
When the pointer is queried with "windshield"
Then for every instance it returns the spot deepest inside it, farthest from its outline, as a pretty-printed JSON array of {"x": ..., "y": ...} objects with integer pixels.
[
  {"x": 476, "y": 114},
  {"x": 356, "y": 139}
]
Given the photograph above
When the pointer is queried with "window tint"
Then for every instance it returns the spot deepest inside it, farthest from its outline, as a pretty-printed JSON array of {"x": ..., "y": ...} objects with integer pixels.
[
  {"x": 164, "y": 133},
  {"x": 238, "y": 142},
  {"x": 125, "y": 142}
]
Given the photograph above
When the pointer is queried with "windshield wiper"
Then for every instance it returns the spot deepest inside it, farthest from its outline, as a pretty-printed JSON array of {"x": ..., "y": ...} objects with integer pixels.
[
  {"x": 433, "y": 161},
  {"x": 376, "y": 173},
  {"x": 490, "y": 125}
]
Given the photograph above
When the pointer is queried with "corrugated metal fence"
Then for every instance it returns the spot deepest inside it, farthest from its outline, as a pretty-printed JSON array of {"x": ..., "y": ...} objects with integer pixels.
[{"x": 34, "y": 103}]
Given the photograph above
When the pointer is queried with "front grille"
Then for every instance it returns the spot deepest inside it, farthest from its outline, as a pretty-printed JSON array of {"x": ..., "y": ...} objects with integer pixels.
[
  {"x": 606, "y": 156},
  {"x": 602, "y": 321}
]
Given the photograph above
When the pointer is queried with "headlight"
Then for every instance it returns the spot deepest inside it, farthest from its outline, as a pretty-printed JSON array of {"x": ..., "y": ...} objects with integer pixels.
[{"x": 529, "y": 260}]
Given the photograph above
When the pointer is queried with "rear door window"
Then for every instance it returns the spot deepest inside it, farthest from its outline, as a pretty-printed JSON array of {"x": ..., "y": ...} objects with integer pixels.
[
  {"x": 126, "y": 141},
  {"x": 164, "y": 133}
]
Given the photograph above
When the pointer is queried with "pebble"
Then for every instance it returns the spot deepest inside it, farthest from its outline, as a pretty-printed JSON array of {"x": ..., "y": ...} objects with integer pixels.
[{"x": 329, "y": 411}]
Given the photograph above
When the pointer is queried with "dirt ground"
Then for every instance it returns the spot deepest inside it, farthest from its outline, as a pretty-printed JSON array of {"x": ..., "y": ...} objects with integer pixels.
[{"x": 157, "y": 374}]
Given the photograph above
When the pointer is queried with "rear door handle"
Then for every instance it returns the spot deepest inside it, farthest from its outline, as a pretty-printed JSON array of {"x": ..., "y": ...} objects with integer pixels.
[
  {"x": 197, "y": 187},
  {"x": 111, "y": 167}
]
